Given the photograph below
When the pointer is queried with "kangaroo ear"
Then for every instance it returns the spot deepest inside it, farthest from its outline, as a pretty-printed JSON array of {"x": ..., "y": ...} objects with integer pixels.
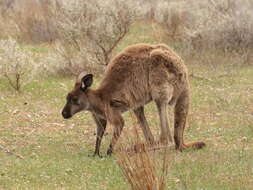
[{"x": 86, "y": 81}]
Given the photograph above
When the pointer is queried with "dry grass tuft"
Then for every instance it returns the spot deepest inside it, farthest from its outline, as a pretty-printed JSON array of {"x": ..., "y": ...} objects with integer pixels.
[{"x": 143, "y": 165}]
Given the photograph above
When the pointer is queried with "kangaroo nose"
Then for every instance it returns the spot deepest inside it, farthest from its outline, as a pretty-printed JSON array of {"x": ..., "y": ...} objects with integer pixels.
[{"x": 65, "y": 115}]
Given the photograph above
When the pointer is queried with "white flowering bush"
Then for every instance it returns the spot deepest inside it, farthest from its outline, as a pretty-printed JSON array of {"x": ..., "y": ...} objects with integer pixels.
[
  {"x": 210, "y": 24},
  {"x": 16, "y": 64},
  {"x": 88, "y": 32}
]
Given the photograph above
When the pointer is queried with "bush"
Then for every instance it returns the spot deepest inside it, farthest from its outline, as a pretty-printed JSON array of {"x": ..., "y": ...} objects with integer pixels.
[
  {"x": 29, "y": 20},
  {"x": 84, "y": 33},
  {"x": 88, "y": 32},
  {"x": 16, "y": 64},
  {"x": 217, "y": 24},
  {"x": 228, "y": 26}
]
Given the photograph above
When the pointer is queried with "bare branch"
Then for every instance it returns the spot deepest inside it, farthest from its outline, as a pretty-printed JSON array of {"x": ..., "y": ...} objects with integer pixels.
[{"x": 89, "y": 32}]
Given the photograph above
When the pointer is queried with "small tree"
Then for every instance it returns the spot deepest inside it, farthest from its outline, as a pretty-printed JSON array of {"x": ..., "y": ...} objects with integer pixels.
[
  {"x": 89, "y": 31},
  {"x": 16, "y": 64},
  {"x": 113, "y": 27}
]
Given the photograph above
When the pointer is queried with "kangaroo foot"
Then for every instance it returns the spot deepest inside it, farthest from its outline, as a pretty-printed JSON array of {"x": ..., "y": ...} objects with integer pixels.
[{"x": 193, "y": 145}]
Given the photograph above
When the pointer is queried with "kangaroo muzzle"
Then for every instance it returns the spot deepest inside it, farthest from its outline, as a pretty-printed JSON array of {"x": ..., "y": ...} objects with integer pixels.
[{"x": 66, "y": 114}]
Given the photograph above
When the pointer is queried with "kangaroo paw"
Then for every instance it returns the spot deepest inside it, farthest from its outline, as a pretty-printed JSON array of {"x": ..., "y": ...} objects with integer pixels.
[{"x": 193, "y": 145}]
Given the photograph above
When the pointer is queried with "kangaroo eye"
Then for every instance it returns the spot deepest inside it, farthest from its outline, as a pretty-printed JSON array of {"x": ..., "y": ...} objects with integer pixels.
[{"x": 75, "y": 101}]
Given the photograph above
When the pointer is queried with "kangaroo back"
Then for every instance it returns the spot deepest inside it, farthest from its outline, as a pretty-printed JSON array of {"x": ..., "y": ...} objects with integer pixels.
[{"x": 164, "y": 55}]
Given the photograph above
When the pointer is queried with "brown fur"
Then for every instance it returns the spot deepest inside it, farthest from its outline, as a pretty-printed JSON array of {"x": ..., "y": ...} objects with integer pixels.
[{"x": 139, "y": 74}]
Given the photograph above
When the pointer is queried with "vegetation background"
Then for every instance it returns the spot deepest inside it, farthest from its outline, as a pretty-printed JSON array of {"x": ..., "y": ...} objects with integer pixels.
[{"x": 45, "y": 43}]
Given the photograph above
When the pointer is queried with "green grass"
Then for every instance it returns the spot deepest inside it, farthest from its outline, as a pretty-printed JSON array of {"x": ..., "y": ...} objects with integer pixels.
[{"x": 56, "y": 151}]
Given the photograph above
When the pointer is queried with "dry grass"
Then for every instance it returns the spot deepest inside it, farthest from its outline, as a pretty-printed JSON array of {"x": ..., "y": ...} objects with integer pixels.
[{"x": 144, "y": 166}]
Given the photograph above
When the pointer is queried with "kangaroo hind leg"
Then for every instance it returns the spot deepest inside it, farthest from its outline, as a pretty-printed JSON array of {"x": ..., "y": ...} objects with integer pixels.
[
  {"x": 139, "y": 113},
  {"x": 181, "y": 113},
  {"x": 164, "y": 125}
]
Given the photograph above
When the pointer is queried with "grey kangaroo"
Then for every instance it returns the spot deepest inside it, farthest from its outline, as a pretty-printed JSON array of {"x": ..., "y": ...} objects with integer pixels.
[{"x": 136, "y": 76}]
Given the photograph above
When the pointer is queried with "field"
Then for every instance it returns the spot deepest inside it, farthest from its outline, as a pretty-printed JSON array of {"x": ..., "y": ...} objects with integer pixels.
[{"x": 41, "y": 150}]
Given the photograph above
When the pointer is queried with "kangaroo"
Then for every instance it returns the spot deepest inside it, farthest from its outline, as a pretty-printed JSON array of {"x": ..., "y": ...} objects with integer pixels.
[{"x": 139, "y": 74}]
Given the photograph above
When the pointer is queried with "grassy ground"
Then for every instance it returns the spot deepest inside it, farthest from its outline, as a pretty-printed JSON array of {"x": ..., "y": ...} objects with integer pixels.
[{"x": 52, "y": 153}]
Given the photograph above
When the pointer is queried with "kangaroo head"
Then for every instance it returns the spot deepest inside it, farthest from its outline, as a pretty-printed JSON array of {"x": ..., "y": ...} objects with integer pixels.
[{"x": 77, "y": 99}]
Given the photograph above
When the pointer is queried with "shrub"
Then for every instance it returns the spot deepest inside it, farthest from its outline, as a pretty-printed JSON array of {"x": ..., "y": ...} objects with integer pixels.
[
  {"x": 227, "y": 26},
  {"x": 88, "y": 32},
  {"x": 210, "y": 24},
  {"x": 29, "y": 20},
  {"x": 16, "y": 64}
]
